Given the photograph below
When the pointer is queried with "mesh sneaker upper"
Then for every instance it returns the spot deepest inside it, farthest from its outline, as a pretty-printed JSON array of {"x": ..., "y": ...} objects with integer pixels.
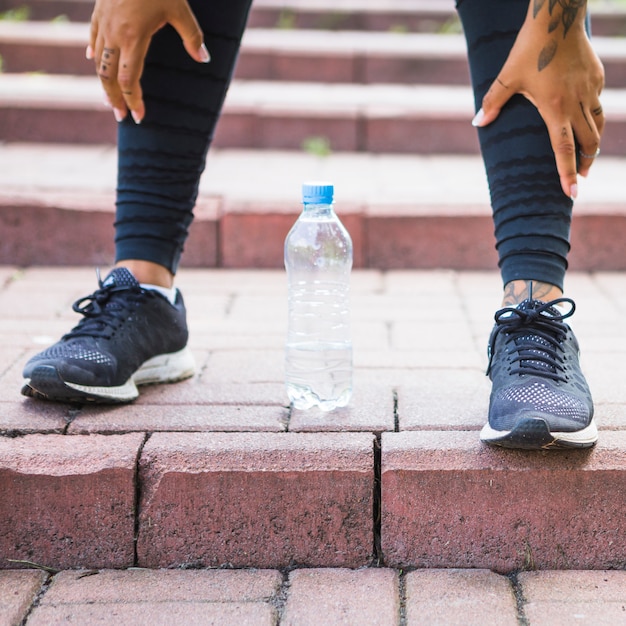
[
  {"x": 533, "y": 364},
  {"x": 123, "y": 326}
]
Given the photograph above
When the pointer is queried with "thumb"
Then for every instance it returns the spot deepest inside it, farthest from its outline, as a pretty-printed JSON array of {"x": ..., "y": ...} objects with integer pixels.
[
  {"x": 495, "y": 98},
  {"x": 185, "y": 23}
]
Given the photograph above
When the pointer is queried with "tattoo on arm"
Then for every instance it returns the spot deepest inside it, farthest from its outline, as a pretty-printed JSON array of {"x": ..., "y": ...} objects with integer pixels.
[
  {"x": 537, "y": 4},
  {"x": 563, "y": 13},
  {"x": 546, "y": 55}
]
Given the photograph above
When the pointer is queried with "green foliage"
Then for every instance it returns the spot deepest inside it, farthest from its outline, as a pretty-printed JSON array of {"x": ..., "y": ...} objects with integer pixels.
[
  {"x": 319, "y": 146},
  {"x": 286, "y": 20},
  {"x": 399, "y": 28},
  {"x": 19, "y": 14},
  {"x": 451, "y": 27}
]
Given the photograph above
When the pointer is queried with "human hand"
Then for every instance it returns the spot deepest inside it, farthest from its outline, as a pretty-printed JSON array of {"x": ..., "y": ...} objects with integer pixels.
[
  {"x": 553, "y": 64},
  {"x": 121, "y": 31}
]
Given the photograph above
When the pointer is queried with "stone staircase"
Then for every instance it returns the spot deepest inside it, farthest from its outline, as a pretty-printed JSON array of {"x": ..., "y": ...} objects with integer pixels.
[
  {"x": 217, "y": 470},
  {"x": 375, "y": 98}
]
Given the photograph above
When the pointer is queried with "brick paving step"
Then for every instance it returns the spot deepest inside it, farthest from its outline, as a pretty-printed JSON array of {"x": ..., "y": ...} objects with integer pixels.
[
  {"x": 304, "y": 55},
  {"x": 57, "y": 208},
  {"x": 210, "y": 471},
  {"x": 266, "y": 54},
  {"x": 423, "y": 15},
  {"x": 447, "y": 501},
  {"x": 481, "y": 507},
  {"x": 381, "y": 596},
  {"x": 259, "y": 114},
  {"x": 422, "y": 119},
  {"x": 609, "y": 18}
]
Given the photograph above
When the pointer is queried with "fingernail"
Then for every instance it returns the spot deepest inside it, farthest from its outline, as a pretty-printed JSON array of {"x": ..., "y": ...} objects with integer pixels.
[
  {"x": 136, "y": 116},
  {"x": 89, "y": 53},
  {"x": 119, "y": 114},
  {"x": 203, "y": 53},
  {"x": 478, "y": 118},
  {"x": 573, "y": 192}
]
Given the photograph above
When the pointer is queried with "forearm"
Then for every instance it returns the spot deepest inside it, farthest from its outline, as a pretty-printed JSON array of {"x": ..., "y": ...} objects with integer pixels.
[{"x": 554, "y": 24}]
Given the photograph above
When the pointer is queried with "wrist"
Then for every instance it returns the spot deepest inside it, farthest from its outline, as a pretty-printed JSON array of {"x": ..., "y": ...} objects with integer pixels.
[{"x": 557, "y": 19}]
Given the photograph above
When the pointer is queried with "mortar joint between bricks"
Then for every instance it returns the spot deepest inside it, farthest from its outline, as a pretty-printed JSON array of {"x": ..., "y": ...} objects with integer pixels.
[
  {"x": 378, "y": 557},
  {"x": 37, "y": 599},
  {"x": 520, "y": 600},
  {"x": 137, "y": 498},
  {"x": 396, "y": 415}
]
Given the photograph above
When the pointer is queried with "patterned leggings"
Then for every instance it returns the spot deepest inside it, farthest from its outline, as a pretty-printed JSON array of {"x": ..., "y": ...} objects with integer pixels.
[
  {"x": 161, "y": 160},
  {"x": 531, "y": 214}
]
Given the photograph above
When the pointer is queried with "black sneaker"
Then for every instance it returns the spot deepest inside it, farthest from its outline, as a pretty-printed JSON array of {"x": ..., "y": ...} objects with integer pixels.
[
  {"x": 540, "y": 398},
  {"x": 129, "y": 336}
]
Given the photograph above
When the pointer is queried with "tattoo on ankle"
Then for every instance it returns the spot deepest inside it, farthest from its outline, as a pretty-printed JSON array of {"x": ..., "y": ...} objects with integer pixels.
[{"x": 519, "y": 290}]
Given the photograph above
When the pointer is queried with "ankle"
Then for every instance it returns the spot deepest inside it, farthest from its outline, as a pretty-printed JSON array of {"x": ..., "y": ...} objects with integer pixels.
[
  {"x": 147, "y": 272},
  {"x": 519, "y": 290}
]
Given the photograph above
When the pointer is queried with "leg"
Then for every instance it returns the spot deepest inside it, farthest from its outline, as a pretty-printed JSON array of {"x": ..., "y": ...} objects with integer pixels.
[
  {"x": 533, "y": 353},
  {"x": 531, "y": 214},
  {"x": 161, "y": 160},
  {"x": 134, "y": 329}
]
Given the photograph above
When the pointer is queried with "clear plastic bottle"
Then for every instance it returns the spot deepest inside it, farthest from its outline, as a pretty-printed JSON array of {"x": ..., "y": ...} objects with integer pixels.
[{"x": 318, "y": 260}]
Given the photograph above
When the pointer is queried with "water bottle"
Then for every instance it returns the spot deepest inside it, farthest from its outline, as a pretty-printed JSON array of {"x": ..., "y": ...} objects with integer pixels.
[{"x": 318, "y": 260}]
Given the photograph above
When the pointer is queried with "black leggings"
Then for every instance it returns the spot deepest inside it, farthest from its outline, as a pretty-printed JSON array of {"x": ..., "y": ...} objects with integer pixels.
[
  {"x": 531, "y": 214},
  {"x": 161, "y": 160}
]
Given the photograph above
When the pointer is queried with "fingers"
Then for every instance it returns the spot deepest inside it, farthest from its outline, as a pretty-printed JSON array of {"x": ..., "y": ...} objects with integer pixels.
[
  {"x": 128, "y": 78},
  {"x": 562, "y": 140},
  {"x": 190, "y": 32},
  {"x": 119, "y": 41},
  {"x": 583, "y": 126},
  {"x": 496, "y": 97},
  {"x": 106, "y": 60},
  {"x": 119, "y": 70},
  {"x": 106, "y": 69},
  {"x": 107, "y": 63},
  {"x": 588, "y": 131}
]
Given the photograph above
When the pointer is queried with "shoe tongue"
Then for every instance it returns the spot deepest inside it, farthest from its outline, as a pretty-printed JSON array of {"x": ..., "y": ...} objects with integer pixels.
[
  {"x": 531, "y": 305},
  {"x": 120, "y": 277}
]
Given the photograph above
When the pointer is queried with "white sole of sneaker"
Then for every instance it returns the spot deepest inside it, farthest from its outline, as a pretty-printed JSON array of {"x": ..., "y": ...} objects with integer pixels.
[
  {"x": 534, "y": 434},
  {"x": 164, "y": 368}
]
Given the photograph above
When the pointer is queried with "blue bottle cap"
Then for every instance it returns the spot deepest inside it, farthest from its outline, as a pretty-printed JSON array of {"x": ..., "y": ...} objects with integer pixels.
[{"x": 317, "y": 193}]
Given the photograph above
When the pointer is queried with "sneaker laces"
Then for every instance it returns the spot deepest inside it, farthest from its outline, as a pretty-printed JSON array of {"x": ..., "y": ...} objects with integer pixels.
[
  {"x": 104, "y": 312},
  {"x": 535, "y": 330}
]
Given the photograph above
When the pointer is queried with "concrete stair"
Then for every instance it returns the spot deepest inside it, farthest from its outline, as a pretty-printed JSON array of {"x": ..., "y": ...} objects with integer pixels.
[{"x": 212, "y": 471}]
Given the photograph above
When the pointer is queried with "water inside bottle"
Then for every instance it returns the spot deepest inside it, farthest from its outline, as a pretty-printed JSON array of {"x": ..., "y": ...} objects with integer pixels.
[{"x": 319, "y": 375}]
